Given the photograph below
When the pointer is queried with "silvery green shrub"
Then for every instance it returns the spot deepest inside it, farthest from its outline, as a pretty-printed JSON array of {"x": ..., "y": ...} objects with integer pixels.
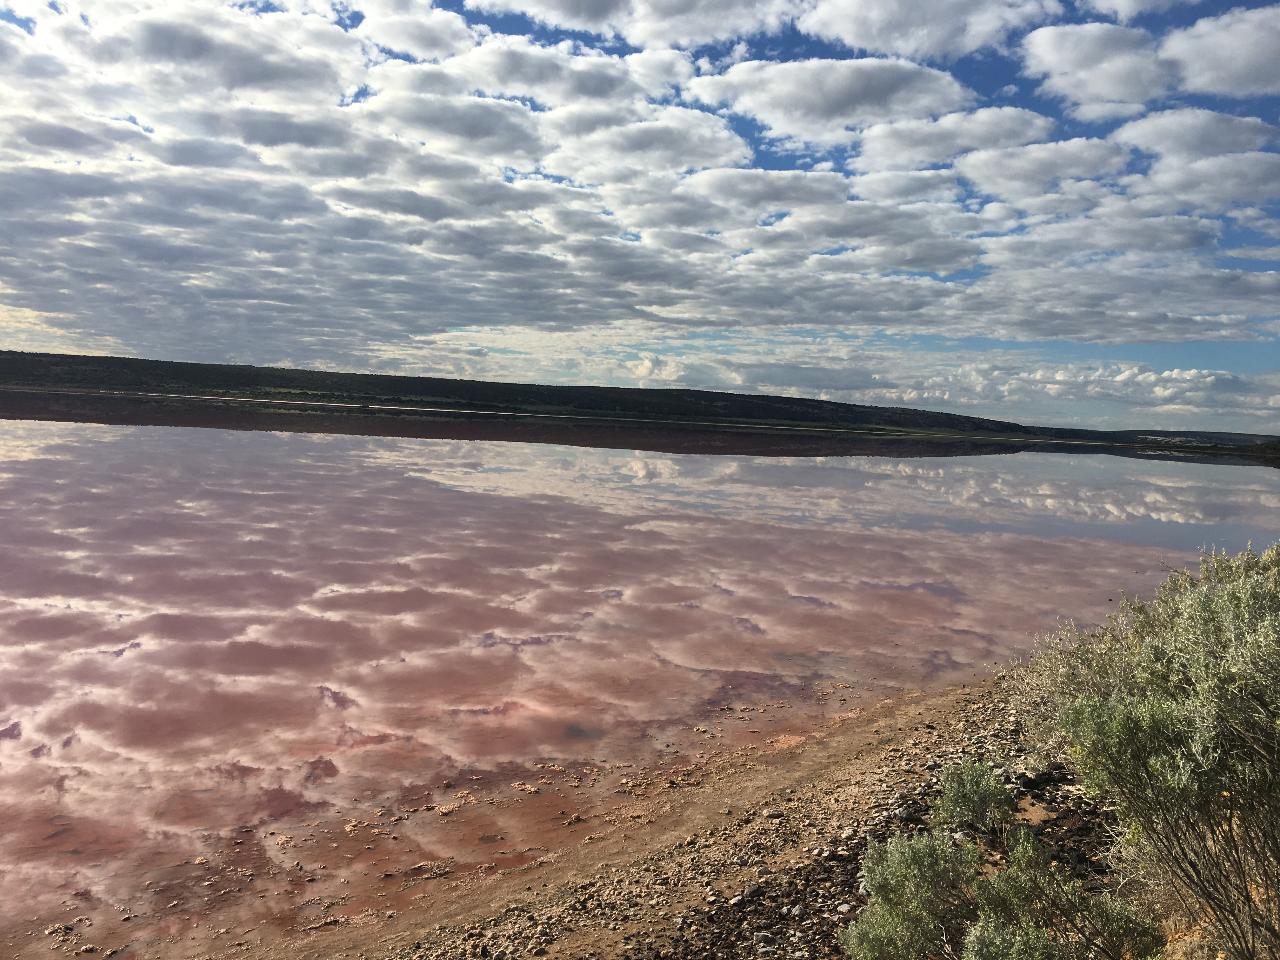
[
  {"x": 973, "y": 796},
  {"x": 930, "y": 897},
  {"x": 1171, "y": 711}
]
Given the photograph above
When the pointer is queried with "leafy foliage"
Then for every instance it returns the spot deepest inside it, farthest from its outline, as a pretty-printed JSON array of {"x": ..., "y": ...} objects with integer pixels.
[
  {"x": 932, "y": 897},
  {"x": 1172, "y": 713},
  {"x": 973, "y": 796},
  {"x": 920, "y": 893}
]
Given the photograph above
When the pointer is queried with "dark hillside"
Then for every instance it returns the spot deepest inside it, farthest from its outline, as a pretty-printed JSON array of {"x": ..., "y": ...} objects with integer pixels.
[
  {"x": 159, "y": 376},
  {"x": 128, "y": 390}
]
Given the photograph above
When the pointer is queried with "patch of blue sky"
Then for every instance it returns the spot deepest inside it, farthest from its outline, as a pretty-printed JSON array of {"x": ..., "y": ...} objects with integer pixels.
[
  {"x": 346, "y": 17},
  {"x": 392, "y": 54},
  {"x": 26, "y": 24},
  {"x": 359, "y": 95},
  {"x": 1239, "y": 246},
  {"x": 518, "y": 24},
  {"x": 786, "y": 44},
  {"x": 511, "y": 175},
  {"x": 1249, "y": 264},
  {"x": 766, "y": 154},
  {"x": 1185, "y": 14}
]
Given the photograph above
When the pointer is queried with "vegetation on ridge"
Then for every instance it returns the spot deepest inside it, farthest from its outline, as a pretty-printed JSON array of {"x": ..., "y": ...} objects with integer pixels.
[{"x": 95, "y": 381}]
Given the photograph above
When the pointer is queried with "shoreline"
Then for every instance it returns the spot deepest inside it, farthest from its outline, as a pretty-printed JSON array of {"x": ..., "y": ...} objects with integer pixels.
[
  {"x": 623, "y": 814},
  {"x": 759, "y": 860},
  {"x": 116, "y": 408}
]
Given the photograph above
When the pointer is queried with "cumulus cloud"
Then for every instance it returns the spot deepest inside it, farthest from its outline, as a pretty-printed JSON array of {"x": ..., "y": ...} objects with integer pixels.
[
  {"x": 516, "y": 67},
  {"x": 1104, "y": 71},
  {"x": 654, "y": 22},
  {"x": 1232, "y": 55},
  {"x": 942, "y": 32},
  {"x": 504, "y": 131},
  {"x": 1212, "y": 184},
  {"x": 823, "y": 101},
  {"x": 292, "y": 183},
  {"x": 907, "y": 144},
  {"x": 903, "y": 186},
  {"x": 1128, "y": 9},
  {"x": 662, "y": 139},
  {"x": 415, "y": 28},
  {"x": 1029, "y": 172},
  {"x": 1107, "y": 71},
  {"x": 1195, "y": 132}
]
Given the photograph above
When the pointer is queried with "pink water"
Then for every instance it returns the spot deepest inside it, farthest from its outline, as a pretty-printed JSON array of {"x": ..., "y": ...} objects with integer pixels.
[{"x": 212, "y": 641}]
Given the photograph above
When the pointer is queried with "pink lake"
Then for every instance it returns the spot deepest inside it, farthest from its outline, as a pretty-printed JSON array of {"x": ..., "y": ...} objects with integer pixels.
[{"x": 211, "y": 641}]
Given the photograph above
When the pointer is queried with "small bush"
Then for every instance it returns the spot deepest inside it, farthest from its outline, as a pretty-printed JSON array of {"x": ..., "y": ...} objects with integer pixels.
[
  {"x": 973, "y": 796},
  {"x": 989, "y": 939},
  {"x": 1171, "y": 711},
  {"x": 930, "y": 897},
  {"x": 920, "y": 899},
  {"x": 1081, "y": 922}
]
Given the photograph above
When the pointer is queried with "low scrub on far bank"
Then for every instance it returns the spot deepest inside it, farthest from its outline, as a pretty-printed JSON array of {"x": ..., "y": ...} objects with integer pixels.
[{"x": 1170, "y": 712}]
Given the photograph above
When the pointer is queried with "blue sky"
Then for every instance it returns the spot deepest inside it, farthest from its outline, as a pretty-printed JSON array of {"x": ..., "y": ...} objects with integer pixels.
[{"x": 1054, "y": 211}]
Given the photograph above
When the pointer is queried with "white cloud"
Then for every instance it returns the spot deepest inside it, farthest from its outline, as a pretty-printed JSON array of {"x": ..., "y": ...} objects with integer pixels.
[
  {"x": 664, "y": 140},
  {"x": 941, "y": 255},
  {"x": 330, "y": 205},
  {"x": 504, "y": 131},
  {"x": 823, "y": 101},
  {"x": 658, "y": 72},
  {"x": 1234, "y": 55},
  {"x": 414, "y": 27},
  {"x": 907, "y": 144},
  {"x": 212, "y": 50},
  {"x": 512, "y": 66},
  {"x": 770, "y": 189},
  {"x": 942, "y": 31},
  {"x": 1213, "y": 184},
  {"x": 1128, "y": 9},
  {"x": 1195, "y": 132},
  {"x": 656, "y": 23},
  {"x": 1028, "y": 172},
  {"x": 1086, "y": 240},
  {"x": 905, "y": 186},
  {"x": 1105, "y": 71}
]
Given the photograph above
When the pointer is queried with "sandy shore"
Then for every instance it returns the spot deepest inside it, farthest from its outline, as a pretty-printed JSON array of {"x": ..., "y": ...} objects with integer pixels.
[{"x": 757, "y": 858}]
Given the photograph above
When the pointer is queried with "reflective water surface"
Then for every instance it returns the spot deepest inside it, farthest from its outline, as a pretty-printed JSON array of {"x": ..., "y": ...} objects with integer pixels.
[{"x": 248, "y": 680}]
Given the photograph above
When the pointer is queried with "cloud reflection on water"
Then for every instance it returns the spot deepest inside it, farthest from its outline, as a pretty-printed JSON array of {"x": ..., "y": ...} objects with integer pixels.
[{"x": 203, "y": 629}]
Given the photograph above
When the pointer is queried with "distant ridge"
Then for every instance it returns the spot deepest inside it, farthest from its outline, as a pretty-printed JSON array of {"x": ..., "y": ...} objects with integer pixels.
[{"x": 124, "y": 389}]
